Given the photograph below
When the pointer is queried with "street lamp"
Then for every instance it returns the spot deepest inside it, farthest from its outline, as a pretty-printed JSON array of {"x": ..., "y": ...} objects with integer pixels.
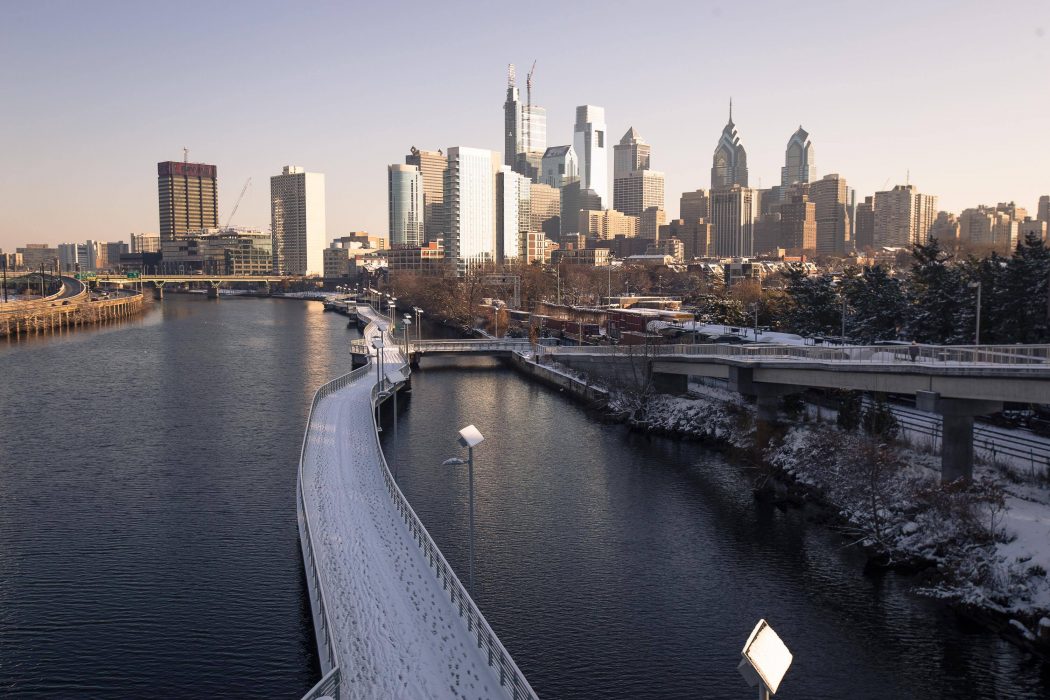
[
  {"x": 765, "y": 660},
  {"x": 470, "y": 437},
  {"x": 419, "y": 326},
  {"x": 408, "y": 326},
  {"x": 977, "y": 333}
]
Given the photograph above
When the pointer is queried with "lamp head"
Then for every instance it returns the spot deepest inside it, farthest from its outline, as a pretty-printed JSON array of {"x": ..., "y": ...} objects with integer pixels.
[{"x": 470, "y": 437}]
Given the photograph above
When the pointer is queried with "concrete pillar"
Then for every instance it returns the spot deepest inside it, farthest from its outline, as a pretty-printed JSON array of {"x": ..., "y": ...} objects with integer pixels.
[
  {"x": 213, "y": 292},
  {"x": 957, "y": 430},
  {"x": 158, "y": 292}
]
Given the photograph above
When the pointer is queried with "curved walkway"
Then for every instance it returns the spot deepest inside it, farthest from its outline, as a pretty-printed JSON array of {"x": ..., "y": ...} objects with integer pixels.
[{"x": 395, "y": 630}]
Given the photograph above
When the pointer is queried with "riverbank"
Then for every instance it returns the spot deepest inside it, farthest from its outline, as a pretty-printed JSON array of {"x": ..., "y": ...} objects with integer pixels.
[{"x": 984, "y": 547}]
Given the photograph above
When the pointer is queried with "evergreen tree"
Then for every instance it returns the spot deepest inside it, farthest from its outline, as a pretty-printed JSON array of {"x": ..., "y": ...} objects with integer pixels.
[
  {"x": 877, "y": 305},
  {"x": 1019, "y": 302},
  {"x": 814, "y": 307},
  {"x": 935, "y": 290}
]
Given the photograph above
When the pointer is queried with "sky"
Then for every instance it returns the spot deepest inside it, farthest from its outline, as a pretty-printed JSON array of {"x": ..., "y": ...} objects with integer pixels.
[{"x": 952, "y": 94}]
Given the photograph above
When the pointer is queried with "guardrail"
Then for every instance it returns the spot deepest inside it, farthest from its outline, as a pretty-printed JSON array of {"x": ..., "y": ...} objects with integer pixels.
[
  {"x": 982, "y": 355},
  {"x": 52, "y": 300}
]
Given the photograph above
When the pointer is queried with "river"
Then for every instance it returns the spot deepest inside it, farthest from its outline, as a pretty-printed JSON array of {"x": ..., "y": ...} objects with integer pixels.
[{"x": 148, "y": 543}]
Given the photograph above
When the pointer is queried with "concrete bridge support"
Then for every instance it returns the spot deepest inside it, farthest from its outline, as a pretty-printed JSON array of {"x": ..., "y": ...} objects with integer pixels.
[
  {"x": 664, "y": 383},
  {"x": 158, "y": 291},
  {"x": 957, "y": 430},
  {"x": 213, "y": 289}
]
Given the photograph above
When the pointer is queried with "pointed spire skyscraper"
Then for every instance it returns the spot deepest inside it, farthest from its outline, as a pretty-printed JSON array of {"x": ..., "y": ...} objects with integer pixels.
[{"x": 729, "y": 165}]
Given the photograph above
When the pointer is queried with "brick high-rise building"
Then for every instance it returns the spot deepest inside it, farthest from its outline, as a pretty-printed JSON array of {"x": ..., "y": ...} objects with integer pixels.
[{"x": 188, "y": 198}]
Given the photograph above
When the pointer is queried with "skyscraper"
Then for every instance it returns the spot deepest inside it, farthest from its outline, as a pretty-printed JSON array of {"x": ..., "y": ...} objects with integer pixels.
[
  {"x": 637, "y": 191},
  {"x": 729, "y": 166},
  {"x": 903, "y": 217},
  {"x": 589, "y": 143},
  {"x": 799, "y": 164},
  {"x": 1043, "y": 211},
  {"x": 470, "y": 201},
  {"x": 865, "y": 228},
  {"x": 830, "y": 195},
  {"x": 632, "y": 153},
  {"x": 694, "y": 205},
  {"x": 405, "y": 201},
  {"x": 511, "y": 120},
  {"x": 635, "y": 187},
  {"x": 513, "y": 198},
  {"x": 525, "y": 128},
  {"x": 798, "y": 222},
  {"x": 432, "y": 166},
  {"x": 559, "y": 166},
  {"x": 297, "y": 219},
  {"x": 188, "y": 198},
  {"x": 733, "y": 212},
  {"x": 545, "y": 214}
]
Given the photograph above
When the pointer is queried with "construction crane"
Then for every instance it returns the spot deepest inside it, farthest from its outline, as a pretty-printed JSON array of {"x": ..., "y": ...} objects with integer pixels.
[
  {"x": 528, "y": 109},
  {"x": 238, "y": 202}
]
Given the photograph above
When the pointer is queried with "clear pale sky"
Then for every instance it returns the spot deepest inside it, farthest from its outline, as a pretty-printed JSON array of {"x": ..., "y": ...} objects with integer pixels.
[{"x": 93, "y": 94}]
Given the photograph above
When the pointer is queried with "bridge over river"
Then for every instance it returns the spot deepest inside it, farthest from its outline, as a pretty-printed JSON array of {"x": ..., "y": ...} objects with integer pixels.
[
  {"x": 391, "y": 617},
  {"x": 956, "y": 382}
]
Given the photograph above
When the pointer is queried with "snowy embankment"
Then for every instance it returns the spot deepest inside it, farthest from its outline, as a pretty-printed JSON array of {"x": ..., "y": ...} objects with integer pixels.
[
  {"x": 396, "y": 633},
  {"x": 985, "y": 545}
]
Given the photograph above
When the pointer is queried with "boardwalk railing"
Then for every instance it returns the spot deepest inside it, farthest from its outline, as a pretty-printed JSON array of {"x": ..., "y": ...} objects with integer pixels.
[
  {"x": 329, "y": 684},
  {"x": 510, "y": 676}
]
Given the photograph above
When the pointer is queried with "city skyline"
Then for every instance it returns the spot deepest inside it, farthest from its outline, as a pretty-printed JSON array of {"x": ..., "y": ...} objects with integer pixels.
[{"x": 89, "y": 84}]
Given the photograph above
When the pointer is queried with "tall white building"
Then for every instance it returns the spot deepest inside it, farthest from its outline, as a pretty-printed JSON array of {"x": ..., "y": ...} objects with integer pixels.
[
  {"x": 470, "y": 200},
  {"x": 405, "y": 204},
  {"x": 297, "y": 219},
  {"x": 513, "y": 215},
  {"x": 590, "y": 144}
]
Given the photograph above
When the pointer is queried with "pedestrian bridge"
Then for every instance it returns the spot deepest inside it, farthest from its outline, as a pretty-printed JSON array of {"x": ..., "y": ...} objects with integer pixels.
[
  {"x": 958, "y": 382},
  {"x": 391, "y": 617}
]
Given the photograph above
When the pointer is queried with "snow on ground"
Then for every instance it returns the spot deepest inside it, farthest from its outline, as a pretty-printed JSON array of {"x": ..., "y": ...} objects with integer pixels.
[{"x": 396, "y": 633}]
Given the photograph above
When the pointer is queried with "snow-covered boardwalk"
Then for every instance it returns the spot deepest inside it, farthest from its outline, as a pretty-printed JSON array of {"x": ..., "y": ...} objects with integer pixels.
[{"x": 392, "y": 619}]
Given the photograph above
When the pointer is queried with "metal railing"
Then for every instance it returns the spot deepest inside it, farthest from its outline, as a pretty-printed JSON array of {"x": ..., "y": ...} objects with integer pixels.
[
  {"x": 1014, "y": 356},
  {"x": 319, "y": 598},
  {"x": 510, "y": 676},
  {"x": 52, "y": 300},
  {"x": 327, "y": 687}
]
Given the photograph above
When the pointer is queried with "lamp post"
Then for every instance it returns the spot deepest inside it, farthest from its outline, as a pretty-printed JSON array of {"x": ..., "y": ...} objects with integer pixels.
[
  {"x": 977, "y": 330},
  {"x": 470, "y": 437},
  {"x": 408, "y": 325},
  {"x": 419, "y": 326}
]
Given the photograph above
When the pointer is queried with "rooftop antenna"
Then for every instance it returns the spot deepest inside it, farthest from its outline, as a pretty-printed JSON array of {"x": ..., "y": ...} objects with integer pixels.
[
  {"x": 185, "y": 155},
  {"x": 907, "y": 177},
  {"x": 730, "y": 110},
  {"x": 510, "y": 75}
]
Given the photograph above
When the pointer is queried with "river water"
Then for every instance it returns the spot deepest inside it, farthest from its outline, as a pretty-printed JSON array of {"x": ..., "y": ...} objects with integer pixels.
[{"x": 148, "y": 544}]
